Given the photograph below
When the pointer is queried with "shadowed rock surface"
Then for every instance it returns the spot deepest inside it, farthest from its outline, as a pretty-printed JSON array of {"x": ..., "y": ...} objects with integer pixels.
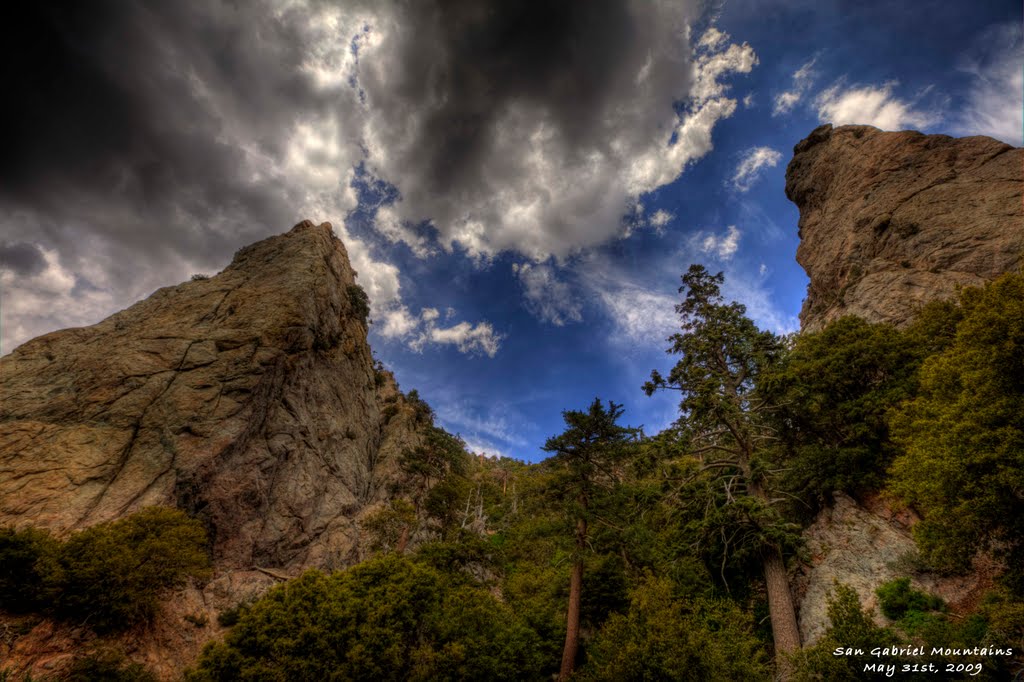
[
  {"x": 249, "y": 398},
  {"x": 890, "y": 221}
]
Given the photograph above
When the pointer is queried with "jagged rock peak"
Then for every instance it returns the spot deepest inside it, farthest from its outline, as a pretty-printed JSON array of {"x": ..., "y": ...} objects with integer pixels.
[
  {"x": 249, "y": 398},
  {"x": 892, "y": 220}
]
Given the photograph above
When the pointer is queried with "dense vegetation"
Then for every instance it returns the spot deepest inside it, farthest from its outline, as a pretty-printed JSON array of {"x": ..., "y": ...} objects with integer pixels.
[
  {"x": 627, "y": 556},
  {"x": 110, "y": 576}
]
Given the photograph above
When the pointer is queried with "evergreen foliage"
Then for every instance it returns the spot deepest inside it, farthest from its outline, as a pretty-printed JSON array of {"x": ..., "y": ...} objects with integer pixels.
[
  {"x": 390, "y": 618},
  {"x": 29, "y": 561},
  {"x": 726, "y": 423},
  {"x": 663, "y": 636},
  {"x": 963, "y": 435},
  {"x": 897, "y": 599},
  {"x": 586, "y": 471},
  {"x": 358, "y": 301},
  {"x": 110, "y": 576},
  {"x": 834, "y": 390},
  {"x": 851, "y": 628}
]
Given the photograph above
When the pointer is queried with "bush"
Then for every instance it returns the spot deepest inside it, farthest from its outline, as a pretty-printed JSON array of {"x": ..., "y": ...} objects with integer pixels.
[
  {"x": 112, "y": 575},
  {"x": 852, "y": 627},
  {"x": 359, "y": 301},
  {"x": 386, "y": 619},
  {"x": 664, "y": 638},
  {"x": 898, "y": 600},
  {"x": 29, "y": 560},
  {"x": 230, "y": 616}
]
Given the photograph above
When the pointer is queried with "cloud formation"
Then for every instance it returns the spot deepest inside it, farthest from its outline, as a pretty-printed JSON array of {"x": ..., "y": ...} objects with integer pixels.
[
  {"x": 418, "y": 331},
  {"x": 870, "y": 105},
  {"x": 753, "y": 162},
  {"x": 997, "y": 90},
  {"x": 547, "y": 297},
  {"x": 531, "y": 127},
  {"x": 151, "y": 142},
  {"x": 722, "y": 247},
  {"x": 641, "y": 316},
  {"x": 802, "y": 79}
]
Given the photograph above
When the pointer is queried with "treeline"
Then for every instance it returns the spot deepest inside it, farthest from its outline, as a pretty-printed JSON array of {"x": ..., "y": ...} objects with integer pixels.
[
  {"x": 632, "y": 556},
  {"x": 627, "y": 556}
]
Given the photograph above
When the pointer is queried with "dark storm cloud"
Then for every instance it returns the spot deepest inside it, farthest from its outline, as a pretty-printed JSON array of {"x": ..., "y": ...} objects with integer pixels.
[
  {"x": 533, "y": 127},
  {"x": 22, "y": 259},
  {"x": 144, "y": 139},
  {"x": 476, "y": 58},
  {"x": 109, "y": 115},
  {"x": 130, "y": 132}
]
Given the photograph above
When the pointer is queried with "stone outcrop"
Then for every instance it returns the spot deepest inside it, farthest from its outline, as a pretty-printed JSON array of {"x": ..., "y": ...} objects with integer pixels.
[
  {"x": 890, "y": 221},
  {"x": 249, "y": 399},
  {"x": 864, "y": 546}
]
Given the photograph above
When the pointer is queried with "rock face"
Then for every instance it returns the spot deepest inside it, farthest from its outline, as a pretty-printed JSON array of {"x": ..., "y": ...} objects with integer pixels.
[
  {"x": 890, "y": 221},
  {"x": 249, "y": 399},
  {"x": 864, "y": 546}
]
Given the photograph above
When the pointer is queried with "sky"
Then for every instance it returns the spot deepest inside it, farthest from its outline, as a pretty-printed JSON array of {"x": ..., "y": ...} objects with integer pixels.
[{"x": 519, "y": 186}]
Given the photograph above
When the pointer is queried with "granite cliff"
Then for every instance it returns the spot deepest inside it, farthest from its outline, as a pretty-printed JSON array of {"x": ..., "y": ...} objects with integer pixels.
[
  {"x": 890, "y": 221},
  {"x": 249, "y": 399}
]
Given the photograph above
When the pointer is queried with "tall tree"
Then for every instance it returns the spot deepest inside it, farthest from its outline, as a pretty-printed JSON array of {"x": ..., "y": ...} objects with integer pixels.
[
  {"x": 586, "y": 457},
  {"x": 725, "y": 420}
]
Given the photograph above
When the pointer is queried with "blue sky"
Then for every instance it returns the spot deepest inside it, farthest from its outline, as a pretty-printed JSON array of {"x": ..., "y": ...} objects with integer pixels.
[
  {"x": 911, "y": 60},
  {"x": 519, "y": 191}
]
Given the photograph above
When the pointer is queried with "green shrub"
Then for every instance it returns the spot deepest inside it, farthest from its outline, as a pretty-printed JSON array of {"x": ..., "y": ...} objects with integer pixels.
[
  {"x": 230, "y": 616},
  {"x": 390, "y": 618},
  {"x": 29, "y": 560},
  {"x": 662, "y": 637},
  {"x": 899, "y": 600},
  {"x": 112, "y": 575},
  {"x": 359, "y": 301},
  {"x": 852, "y": 627}
]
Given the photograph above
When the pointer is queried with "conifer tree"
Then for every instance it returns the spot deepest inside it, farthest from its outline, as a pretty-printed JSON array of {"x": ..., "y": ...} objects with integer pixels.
[
  {"x": 724, "y": 420},
  {"x": 586, "y": 456}
]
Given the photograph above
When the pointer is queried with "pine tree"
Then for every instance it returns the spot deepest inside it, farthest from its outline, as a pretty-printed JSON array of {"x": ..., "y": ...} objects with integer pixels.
[
  {"x": 725, "y": 422},
  {"x": 586, "y": 457}
]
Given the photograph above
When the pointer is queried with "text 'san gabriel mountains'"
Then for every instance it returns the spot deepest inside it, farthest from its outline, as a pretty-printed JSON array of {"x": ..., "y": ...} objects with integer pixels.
[
  {"x": 249, "y": 399},
  {"x": 890, "y": 221}
]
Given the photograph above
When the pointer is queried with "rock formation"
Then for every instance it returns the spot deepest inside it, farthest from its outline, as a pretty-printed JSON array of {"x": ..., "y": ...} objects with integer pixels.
[
  {"x": 864, "y": 546},
  {"x": 249, "y": 399},
  {"x": 890, "y": 221}
]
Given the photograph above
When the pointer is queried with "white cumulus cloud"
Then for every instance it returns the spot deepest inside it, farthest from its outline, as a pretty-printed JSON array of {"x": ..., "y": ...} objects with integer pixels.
[
  {"x": 870, "y": 105},
  {"x": 418, "y": 331}
]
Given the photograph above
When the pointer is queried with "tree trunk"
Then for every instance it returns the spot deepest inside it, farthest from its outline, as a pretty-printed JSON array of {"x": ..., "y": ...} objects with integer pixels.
[
  {"x": 572, "y": 626},
  {"x": 785, "y": 630}
]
